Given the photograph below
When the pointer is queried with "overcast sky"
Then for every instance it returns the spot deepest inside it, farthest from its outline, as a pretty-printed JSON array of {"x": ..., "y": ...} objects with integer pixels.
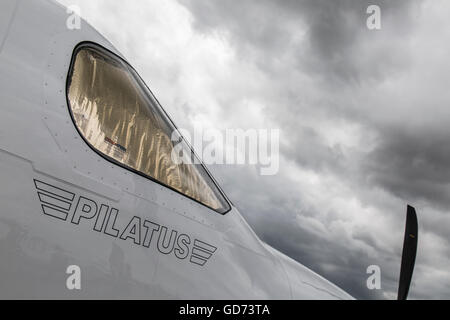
[{"x": 364, "y": 118}]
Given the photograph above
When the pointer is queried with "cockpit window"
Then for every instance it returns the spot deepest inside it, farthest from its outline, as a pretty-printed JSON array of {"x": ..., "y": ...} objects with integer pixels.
[{"x": 119, "y": 117}]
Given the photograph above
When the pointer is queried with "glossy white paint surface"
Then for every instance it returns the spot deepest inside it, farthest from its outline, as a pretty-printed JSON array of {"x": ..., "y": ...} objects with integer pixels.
[{"x": 38, "y": 140}]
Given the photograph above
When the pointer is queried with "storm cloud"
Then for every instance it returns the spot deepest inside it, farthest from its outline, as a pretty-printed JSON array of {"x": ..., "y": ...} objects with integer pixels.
[{"x": 364, "y": 118}]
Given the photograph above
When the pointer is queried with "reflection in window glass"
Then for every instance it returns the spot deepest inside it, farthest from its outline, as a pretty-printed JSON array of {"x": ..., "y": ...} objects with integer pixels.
[{"x": 120, "y": 118}]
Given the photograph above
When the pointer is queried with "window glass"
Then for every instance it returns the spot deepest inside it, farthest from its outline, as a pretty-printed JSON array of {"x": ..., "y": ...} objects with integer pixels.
[{"x": 119, "y": 117}]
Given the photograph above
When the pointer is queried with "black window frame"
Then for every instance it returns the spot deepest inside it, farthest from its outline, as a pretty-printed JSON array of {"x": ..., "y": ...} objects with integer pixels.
[{"x": 96, "y": 46}]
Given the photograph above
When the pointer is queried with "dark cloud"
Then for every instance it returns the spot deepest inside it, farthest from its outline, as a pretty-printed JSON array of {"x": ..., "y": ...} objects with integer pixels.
[
  {"x": 323, "y": 36},
  {"x": 413, "y": 165}
]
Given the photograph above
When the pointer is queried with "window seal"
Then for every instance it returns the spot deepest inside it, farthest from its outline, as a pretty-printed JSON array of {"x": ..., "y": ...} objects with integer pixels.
[{"x": 90, "y": 44}]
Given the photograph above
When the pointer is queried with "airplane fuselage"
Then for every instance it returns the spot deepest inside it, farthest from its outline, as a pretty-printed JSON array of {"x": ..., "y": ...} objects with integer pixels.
[{"x": 63, "y": 204}]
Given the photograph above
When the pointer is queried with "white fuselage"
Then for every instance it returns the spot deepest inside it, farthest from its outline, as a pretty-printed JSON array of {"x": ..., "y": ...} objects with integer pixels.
[{"x": 43, "y": 159}]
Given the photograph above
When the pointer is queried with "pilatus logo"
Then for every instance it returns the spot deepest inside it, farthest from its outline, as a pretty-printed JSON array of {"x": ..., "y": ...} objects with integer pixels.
[{"x": 67, "y": 206}]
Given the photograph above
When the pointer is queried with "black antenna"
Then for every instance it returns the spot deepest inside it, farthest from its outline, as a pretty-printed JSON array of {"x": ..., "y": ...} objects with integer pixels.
[{"x": 409, "y": 253}]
